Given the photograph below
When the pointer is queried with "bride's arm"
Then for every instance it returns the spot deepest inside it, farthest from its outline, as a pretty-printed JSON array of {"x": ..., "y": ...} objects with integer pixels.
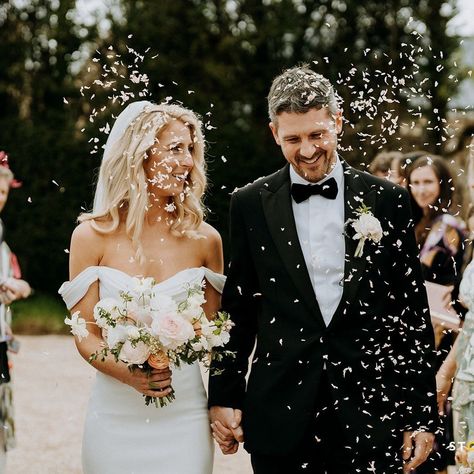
[
  {"x": 214, "y": 260},
  {"x": 87, "y": 249},
  {"x": 227, "y": 438}
]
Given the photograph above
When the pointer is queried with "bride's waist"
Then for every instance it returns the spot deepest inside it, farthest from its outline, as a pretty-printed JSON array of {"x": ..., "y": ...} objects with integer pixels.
[{"x": 113, "y": 400}]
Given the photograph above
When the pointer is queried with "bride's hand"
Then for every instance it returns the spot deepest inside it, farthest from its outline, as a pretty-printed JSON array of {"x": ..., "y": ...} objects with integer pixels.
[{"x": 156, "y": 383}]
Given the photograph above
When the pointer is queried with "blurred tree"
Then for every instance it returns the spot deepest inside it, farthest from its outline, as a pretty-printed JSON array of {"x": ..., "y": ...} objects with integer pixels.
[
  {"x": 41, "y": 41},
  {"x": 436, "y": 67},
  {"x": 391, "y": 62}
]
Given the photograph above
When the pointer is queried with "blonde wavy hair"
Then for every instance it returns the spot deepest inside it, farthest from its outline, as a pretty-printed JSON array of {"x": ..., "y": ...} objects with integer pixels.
[{"x": 122, "y": 191}]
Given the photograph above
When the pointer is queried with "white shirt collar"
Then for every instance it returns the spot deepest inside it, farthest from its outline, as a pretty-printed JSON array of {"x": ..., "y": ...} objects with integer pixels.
[{"x": 337, "y": 173}]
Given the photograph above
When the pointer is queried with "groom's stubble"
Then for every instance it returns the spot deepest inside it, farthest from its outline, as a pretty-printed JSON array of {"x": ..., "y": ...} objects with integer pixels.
[{"x": 308, "y": 141}]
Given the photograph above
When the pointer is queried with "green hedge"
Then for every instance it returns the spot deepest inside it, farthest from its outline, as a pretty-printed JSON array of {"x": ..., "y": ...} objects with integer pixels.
[{"x": 42, "y": 313}]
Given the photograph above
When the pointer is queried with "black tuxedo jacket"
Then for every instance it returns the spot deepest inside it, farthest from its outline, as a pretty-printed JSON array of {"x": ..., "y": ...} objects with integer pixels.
[{"x": 378, "y": 348}]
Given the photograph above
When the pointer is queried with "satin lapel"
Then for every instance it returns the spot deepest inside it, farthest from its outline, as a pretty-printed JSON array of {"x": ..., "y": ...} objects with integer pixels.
[
  {"x": 356, "y": 193},
  {"x": 276, "y": 201}
]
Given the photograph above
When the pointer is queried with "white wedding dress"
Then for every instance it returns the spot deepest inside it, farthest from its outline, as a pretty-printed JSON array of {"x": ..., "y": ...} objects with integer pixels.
[{"x": 122, "y": 435}]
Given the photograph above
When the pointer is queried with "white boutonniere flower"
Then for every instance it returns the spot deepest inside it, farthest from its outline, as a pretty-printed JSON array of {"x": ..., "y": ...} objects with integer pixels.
[{"x": 367, "y": 227}]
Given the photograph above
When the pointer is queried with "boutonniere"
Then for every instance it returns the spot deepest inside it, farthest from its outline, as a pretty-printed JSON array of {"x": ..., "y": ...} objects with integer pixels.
[{"x": 367, "y": 227}]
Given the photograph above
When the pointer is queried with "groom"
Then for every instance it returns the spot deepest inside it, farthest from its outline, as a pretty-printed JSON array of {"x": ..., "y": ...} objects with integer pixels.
[{"x": 325, "y": 278}]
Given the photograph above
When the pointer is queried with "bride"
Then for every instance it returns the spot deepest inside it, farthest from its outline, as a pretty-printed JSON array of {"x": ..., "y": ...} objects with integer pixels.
[{"x": 147, "y": 221}]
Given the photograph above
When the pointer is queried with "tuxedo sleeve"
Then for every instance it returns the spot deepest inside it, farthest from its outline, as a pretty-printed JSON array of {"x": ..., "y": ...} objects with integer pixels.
[
  {"x": 240, "y": 298},
  {"x": 416, "y": 353}
]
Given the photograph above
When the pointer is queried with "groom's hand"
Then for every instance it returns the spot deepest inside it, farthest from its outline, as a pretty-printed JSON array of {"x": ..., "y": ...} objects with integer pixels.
[
  {"x": 417, "y": 446},
  {"x": 226, "y": 428}
]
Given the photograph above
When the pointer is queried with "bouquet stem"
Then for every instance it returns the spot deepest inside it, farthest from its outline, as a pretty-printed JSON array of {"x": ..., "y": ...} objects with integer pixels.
[{"x": 160, "y": 402}]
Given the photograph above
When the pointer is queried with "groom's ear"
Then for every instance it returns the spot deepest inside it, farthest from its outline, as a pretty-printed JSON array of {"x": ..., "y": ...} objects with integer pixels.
[
  {"x": 274, "y": 130},
  {"x": 338, "y": 122}
]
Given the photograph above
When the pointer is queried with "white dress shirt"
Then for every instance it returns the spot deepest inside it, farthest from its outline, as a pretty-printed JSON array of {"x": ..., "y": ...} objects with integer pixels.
[{"x": 320, "y": 226}]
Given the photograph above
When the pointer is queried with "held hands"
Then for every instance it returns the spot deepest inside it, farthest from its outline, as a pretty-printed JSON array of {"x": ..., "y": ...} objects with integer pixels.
[
  {"x": 417, "y": 446},
  {"x": 226, "y": 428},
  {"x": 156, "y": 383}
]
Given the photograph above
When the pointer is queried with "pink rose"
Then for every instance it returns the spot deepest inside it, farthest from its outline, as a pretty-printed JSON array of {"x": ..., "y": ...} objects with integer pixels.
[{"x": 172, "y": 330}]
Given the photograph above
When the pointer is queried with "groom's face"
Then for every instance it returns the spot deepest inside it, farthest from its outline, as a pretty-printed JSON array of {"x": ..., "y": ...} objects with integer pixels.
[{"x": 308, "y": 141}]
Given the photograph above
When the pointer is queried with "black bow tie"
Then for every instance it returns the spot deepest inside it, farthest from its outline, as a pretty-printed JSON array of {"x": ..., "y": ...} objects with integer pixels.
[{"x": 301, "y": 192}]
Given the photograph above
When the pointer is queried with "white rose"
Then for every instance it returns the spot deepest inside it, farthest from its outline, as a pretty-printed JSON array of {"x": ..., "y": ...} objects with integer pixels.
[
  {"x": 172, "y": 330},
  {"x": 134, "y": 355},
  {"x": 161, "y": 303},
  {"x": 367, "y": 226},
  {"x": 110, "y": 306},
  {"x": 116, "y": 334},
  {"x": 133, "y": 332}
]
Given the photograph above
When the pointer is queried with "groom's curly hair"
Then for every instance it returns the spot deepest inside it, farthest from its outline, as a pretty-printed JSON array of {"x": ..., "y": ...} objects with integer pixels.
[{"x": 300, "y": 89}]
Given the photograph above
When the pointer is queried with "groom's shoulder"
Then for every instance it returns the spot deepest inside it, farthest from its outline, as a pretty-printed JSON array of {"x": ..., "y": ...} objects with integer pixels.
[{"x": 255, "y": 187}]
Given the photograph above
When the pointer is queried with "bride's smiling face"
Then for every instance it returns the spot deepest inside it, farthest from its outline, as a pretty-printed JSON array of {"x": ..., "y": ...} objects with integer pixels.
[{"x": 170, "y": 160}]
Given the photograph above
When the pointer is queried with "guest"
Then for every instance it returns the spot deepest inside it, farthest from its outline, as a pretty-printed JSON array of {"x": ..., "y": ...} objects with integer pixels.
[
  {"x": 401, "y": 166},
  {"x": 12, "y": 287},
  {"x": 460, "y": 361},
  {"x": 381, "y": 165},
  {"x": 458, "y": 152},
  {"x": 460, "y": 364},
  {"x": 439, "y": 233},
  {"x": 468, "y": 198},
  {"x": 440, "y": 236}
]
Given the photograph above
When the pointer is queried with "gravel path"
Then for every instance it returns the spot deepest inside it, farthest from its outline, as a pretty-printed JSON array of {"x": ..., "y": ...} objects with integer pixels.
[{"x": 51, "y": 388}]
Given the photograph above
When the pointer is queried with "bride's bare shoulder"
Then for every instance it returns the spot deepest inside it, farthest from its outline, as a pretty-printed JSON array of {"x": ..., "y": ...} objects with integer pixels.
[
  {"x": 86, "y": 238},
  {"x": 89, "y": 230},
  {"x": 211, "y": 247},
  {"x": 210, "y": 234}
]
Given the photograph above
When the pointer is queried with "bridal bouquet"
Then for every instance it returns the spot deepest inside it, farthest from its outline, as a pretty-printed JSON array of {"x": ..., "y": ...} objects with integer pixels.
[{"x": 147, "y": 329}]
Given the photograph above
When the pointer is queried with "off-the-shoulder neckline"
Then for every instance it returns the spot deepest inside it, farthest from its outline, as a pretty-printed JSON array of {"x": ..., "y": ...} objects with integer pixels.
[{"x": 100, "y": 267}]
